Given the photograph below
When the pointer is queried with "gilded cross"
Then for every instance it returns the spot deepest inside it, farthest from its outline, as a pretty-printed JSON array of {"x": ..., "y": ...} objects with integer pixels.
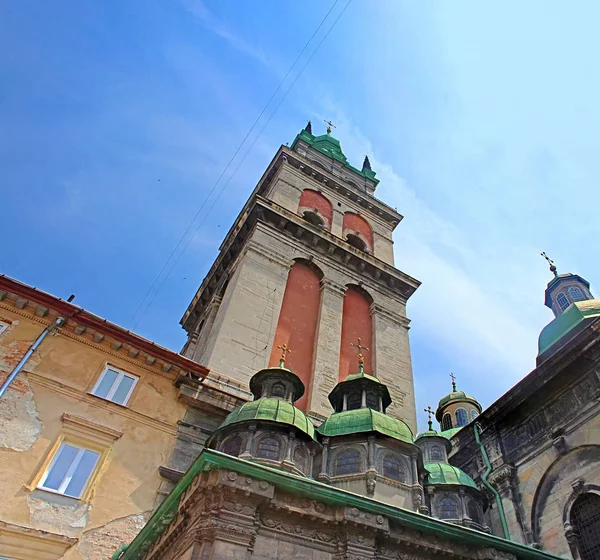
[
  {"x": 429, "y": 413},
  {"x": 361, "y": 358},
  {"x": 453, "y": 381},
  {"x": 329, "y": 125},
  {"x": 283, "y": 347}
]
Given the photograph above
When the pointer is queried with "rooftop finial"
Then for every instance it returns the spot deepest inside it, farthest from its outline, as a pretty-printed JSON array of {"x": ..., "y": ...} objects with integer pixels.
[
  {"x": 453, "y": 382},
  {"x": 361, "y": 358},
  {"x": 367, "y": 164},
  {"x": 284, "y": 349},
  {"x": 308, "y": 127},
  {"x": 550, "y": 262},
  {"x": 329, "y": 125},
  {"x": 429, "y": 421}
]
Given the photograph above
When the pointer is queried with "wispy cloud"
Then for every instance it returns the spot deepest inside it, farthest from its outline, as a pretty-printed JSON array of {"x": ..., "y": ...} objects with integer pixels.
[{"x": 204, "y": 15}]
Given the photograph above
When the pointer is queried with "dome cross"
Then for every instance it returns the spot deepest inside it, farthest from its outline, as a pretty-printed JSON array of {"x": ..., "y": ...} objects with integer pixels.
[
  {"x": 284, "y": 348},
  {"x": 453, "y": 377},
  {"x": 429, "y": 413},
  {"x": 361, "y": 358}
]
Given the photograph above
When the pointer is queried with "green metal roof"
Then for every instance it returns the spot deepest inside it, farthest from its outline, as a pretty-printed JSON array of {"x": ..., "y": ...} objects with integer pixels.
[
  {"x": 449, "y": 433},
  {"x": 574, "y": 315},
  {"x": 331, "y": 147},
  {"x": 456, "y": 396},
  {"x": 274, "y": 410},
  {"x": 443, "y": 473},
  {"x": 365, "y": 420},
  {"x": 305, "y": 487}
]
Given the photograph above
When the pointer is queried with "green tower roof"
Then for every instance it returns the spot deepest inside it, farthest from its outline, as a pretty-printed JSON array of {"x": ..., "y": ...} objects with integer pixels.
[
  {"x": 274, "y": 410},
  {"x": 443, "y": 473},
  {"x": 365, "y": 420},
  {"x": 574, "y": 316}
]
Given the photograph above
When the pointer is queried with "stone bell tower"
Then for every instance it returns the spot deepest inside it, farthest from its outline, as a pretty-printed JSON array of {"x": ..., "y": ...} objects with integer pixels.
[{"x": 309, "y": 264}]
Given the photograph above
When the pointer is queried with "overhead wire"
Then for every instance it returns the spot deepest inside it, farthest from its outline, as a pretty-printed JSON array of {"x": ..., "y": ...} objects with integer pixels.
[{"x": 223, "y": 187}]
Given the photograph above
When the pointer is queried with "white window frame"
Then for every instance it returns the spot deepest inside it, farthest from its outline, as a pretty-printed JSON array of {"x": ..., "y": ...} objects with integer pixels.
[
  {"x": 115, "y": 385},
  {"x": 70, "y": 471},
  {"x": 3, "y": 327}
]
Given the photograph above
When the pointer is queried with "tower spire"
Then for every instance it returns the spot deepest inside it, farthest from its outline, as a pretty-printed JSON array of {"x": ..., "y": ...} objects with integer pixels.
[
  {"x": 367, "y": 164},
  {"x": 308, "y": 127},
  {"x": 551, "y": 263}
]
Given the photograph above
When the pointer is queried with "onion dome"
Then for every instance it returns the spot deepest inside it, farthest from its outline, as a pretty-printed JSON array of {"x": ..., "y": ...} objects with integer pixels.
[{"x": 456, "y": 410}]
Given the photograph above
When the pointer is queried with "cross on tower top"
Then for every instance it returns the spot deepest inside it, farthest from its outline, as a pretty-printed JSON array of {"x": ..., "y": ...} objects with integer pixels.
[
  {"x": 284, "y": 349},
  {"x": 453, "y": 377},
  {"x": 361, "y": 358},
  {"x": 550, "y": 262},
  {"x": 329, "y": 125},
  {"x": 429, "y": 413}
]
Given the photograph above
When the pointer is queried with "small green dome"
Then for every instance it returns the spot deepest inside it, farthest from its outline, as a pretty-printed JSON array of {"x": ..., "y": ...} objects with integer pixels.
[
  {"x": 455, "y": 396},
  {"x": 443, "y": 473},
  {"x": 361, "y": 375},
  {"x": 365, "y": 420},
  {"x": 274, "y": 410},
  {"x": 568, "y": 321}
]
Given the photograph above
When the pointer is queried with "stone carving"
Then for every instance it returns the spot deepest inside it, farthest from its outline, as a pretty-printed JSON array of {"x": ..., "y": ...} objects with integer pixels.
[{"x": 299, "y": 530}]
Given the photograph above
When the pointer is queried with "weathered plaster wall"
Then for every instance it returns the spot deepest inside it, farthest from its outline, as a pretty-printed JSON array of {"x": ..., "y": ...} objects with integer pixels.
[{"x": 55, "y": 381}]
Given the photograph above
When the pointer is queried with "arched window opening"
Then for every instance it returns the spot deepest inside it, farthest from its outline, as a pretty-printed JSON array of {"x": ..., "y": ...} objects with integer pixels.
[
  {"x": 448, "y": 508},
  {"x": 233, "y": 446},
  {"x": 354, "y": 401},
  {"x": 268, "y": 448},
  {"x": 562, "y": 300},
  {"x": 300, "y": 457},
  {"x": 356, "y": 242},
  {"x": 474, "y": 414},
  {"x": 576, "y": 293},
  {"x": 313, "y": 218},
  {"x": 348, "y": 462},
  {"x": 394, "y": 468},
  {"x": 473, "y": 512},
  {"x": 435, "y": 453},
  {"x": 355, "y": 226},
  {"x": 372, "y": 400},
  {"x": 585, "y": 520},
  {"x": 461, "y": 417},
  {"x": 278, "y": 389},
  {"x": 447, "y": 421}
]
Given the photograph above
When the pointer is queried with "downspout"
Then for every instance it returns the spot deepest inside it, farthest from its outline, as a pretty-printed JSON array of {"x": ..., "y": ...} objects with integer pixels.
[
  {"x": 58, "y": 323},
  {"x": 119, "y": 552},
  {"x": 484, "y": 479}
]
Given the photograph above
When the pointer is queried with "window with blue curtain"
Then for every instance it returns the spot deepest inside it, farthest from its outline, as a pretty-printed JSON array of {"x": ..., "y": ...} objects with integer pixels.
[{"x": 461, "y": 418}]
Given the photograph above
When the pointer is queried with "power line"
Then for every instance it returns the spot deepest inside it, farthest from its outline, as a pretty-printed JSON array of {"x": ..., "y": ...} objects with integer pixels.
[{"x": 145, "y": 309}]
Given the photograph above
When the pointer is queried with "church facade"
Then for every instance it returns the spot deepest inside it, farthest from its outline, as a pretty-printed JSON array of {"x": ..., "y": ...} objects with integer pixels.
[{"x": 291, "y": 428}]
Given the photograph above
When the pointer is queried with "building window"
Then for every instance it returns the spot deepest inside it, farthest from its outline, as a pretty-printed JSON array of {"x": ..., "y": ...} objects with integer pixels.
[
  {"x": 233, "y": 446},
  {"x": 356, "y": 242},
  {"x": 461, "y": 417},
  {"x": 268, "y": 448},
  {"x": 435, "y": 453},
  {"x": 474, "y": 414},
  {"x": 300, "y": 457},
  {"x": 354, "y": 401},
  {"x": 447, "y": 421},
  {"x": 585, "y": 520},
  {"x": 114, "y": 385},
  {"x": 562, "y": 300},
  {"x": 372, "y": 400},
  {"x": 347, "y": 462},
  {"x": 278, "y": 389},
  {"x": 394, "y": 468},
  {"x": 313, "y": 218},
  {"x": 448, "y": 508},
  {"x": 576, "y": 293},
  {"x": 473, "y": 511},
  {"x": 3, "y": 327},
  {"x": 70, "y": 470}
]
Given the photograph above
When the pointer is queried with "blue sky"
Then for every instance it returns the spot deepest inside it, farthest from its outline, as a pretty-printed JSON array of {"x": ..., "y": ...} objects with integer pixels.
[{"x": 481, "y": 121}]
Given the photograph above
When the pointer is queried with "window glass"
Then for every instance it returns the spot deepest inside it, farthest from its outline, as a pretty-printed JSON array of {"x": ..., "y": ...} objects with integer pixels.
[
  {"x": 448, "y": 508},
  {"x": 354, "y": 401},
  {"x": 393, "y": 468},
  {"x": 585, "y": 520},
  {"x": 61, "y": 464},
  {"x": 435, "y": 453},
  {"x": 70, "y": 470},
  {"x": 473, "y": 512},
  {"x": 233, "y": 446},
  {"x": 278, "y": 389},
  {"x": 268, "y": 448},
  {"x": 122, "y": 390},
  {"x": 562, "y": 300},
  {"x": 461, "y": 417},
  {"x": 446, "y": 421},
  {"x": 115, "y": 386},
  {"x": 473, "y": 414},
  {"x": 576, "y": 293},
  {"x": 106, "y": 383},
  {"x": 348, "y": 462},
  {"x": 82, "y": 473},
  {"x": 372, "y": 400}
]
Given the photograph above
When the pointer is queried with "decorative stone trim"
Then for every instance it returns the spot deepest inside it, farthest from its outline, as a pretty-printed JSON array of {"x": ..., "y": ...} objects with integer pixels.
[
  {"x": 26, "y": 543},
  {"x": 80, "y": 427}
]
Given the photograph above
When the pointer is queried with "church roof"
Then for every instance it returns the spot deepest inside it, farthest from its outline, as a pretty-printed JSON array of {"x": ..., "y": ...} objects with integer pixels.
[
  {"x": 558, "y": 279},
  {"x": 455, "y": 396},
  {"x": 331, "y": 147},
  {"x": 365, "y": 420},
  {"x": 449, "y": 433},
  {"x": 273, "y": 410},
  {"x": 574, "y": 316},
  {"x": 443, "y": 473}
]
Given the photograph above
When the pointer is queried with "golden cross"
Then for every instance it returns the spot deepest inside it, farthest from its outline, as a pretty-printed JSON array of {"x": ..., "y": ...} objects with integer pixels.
[
  {"x": 429, "y": 413},
  {"x": 550, "y": 262},
  {"x": 284, "y": 349},
  {"x": 453, "y": 381},
  {"x": 361, "y": 358},
  {"x": 329, "y": 125}
]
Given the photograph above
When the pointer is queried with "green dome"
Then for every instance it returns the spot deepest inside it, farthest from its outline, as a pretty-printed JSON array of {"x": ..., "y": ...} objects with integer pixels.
[
  {"x": 456, "y": 396},
  {"x": 361, "y": 375},
  {"x": 443, "y": 473},
  {"x": 573, "y": 317},
  {"x": 273, "y": 410},
  {"x": 365, "y": 420}
]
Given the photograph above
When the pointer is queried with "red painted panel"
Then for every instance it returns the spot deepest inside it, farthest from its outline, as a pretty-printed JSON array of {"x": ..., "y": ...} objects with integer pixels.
[
  {"x": 297, "y": 326},
  {"x": 310, "y": 200},
  {"x": 353, "y": 223},
  {"x": 356, "y": 322}
]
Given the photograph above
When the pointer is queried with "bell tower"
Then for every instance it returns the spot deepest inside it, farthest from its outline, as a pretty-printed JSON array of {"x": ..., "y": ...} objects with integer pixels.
[{"x": 309, "y": 264}]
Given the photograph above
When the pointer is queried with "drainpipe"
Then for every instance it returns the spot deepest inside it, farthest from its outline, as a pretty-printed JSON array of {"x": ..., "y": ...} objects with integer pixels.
[
  {"x": 119, "y": 552},
  {"x": 484, "y": 479},
  {"x": 58, "y": 323}
]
